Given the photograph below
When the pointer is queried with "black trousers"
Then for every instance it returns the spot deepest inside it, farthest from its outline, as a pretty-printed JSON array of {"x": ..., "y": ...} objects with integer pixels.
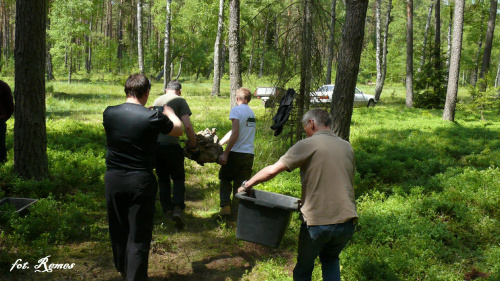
[{"x": 130, "y": 201}]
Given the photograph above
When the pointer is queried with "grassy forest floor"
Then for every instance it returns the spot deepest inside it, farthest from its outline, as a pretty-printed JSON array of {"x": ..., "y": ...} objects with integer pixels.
[{"x": 428, "y": 193}]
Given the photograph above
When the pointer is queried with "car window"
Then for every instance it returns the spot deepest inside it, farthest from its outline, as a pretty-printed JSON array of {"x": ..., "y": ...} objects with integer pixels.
[
  {"x": 357, "y": 91},
  {"x": 329, "y": 88}
]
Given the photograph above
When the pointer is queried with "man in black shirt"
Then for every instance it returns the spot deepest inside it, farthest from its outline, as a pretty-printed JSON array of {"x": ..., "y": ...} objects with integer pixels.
[{"x": 131, "y": 134}]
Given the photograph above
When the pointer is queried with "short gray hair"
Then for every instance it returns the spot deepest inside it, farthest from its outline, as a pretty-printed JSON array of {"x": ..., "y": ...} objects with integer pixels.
[
  {"x": 174, "y": 85},
  {"x": 320, "y": 116}
]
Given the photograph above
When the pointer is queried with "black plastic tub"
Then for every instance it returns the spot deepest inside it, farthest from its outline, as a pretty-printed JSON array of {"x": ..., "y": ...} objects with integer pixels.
[
  {"x": 21, "y": 205},
  {"x": 264, "y": 216}
]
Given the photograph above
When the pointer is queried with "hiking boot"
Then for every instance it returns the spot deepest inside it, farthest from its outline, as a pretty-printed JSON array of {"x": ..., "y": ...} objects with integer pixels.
[
  {"x": 177, "y": 217},
  {"x": 225, "y": 211}
]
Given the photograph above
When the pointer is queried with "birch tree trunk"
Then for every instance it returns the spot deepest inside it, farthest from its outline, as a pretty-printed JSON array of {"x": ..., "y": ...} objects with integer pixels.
[
  {"x": 218, "y": 51},
  {"x": 454, "y": 75},
  {"x": 488, "y": 44},
  {"x": 409, "y": 53},
  {"x": 30, "y": 134},
  {"x": 331, "y": 42},
  {"x": 350, "y": 54},
  {"x": 234, "y": 49},
  {"x": 139, "y": 36},
  {"x": 383, "y": 69},
  {"x": 166, "y": 51},
  {"x": 427, "y": 26}
]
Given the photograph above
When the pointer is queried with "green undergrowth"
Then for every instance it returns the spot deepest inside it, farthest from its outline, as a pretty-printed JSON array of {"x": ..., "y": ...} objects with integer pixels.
[{"x": 428, "y": 191}]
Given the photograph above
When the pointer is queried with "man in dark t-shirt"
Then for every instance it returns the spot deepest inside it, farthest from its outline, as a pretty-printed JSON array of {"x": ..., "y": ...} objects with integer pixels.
[
  {"x": 6, "y": 110},
  {"x": 131, "y": 134}
]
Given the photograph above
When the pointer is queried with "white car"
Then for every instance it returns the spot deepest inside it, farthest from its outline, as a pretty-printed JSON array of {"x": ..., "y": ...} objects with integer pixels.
[{"x": 324, "y": 96}]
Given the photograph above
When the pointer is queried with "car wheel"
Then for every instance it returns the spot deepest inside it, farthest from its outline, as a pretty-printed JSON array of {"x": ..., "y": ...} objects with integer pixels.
[{"x": 371, "y": 103}]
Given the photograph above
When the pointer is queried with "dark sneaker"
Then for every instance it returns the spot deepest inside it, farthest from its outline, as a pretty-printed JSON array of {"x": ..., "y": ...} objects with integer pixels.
[{"x": 177, "y": 217}]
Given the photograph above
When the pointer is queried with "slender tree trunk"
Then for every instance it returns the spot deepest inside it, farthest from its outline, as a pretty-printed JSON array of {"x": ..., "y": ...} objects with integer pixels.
[
  {"x": 497, "y": 80},
  {"x": 409, "y": 53},
  {"x": 234, "y": 49},
  {"x": 180, "y": 68},
  {"x": 437, "y": 36},
  {"x": 383, "y": 69},
  {"x": 218, "y": 51},
  {"x": 139, "y": 36},
  {"x": 119, "y": 54},
  {"x": 350, "y": 55},
  {"x": 331, "y": 42},
  {"x": 448, "y": 50},
  {"x": 488, "y": 44},
  {"x": 305, "y": 67},
  {"x": 223, "y": 63},
  {"x": 250, "y": 63},
  {"x": 427, "y": 26},
  {"x": 451, "y": 94},
  {"x": 264, "y": 47},
  {"x": 30, "y": 134},
  {"x": 48, "y": 64},
  {"x": 166, "y": 53},
  {"x": 70, "y": 65}
]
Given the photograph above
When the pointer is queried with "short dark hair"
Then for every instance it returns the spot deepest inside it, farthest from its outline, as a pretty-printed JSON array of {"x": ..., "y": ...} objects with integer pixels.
[
  {"x": 174, "y": 85},
  {"x": 320, "y": 116},
  {"x": 137, "y": 85}
]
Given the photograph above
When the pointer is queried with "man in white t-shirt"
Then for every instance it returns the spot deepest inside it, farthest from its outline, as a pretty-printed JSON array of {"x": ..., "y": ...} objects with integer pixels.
[{"x": 237, "y": 159}]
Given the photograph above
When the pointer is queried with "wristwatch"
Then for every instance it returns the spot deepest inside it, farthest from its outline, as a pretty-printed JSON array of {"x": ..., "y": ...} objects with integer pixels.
[{"x": 246, "y": 188}]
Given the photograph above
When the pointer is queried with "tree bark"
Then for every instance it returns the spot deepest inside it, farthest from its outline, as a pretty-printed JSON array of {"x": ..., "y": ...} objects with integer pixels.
[
  {"x": 119, "y": 54},
  {"x": 218, "y": 51},
  {"x": 48, "y": 64},
  {"x": 166, "y": 53},
  {"x": 139, "y": 37},
  {"x": 383, "y": 69},
  {"x": 488, "y": 43},
  {"x": 437, "y": 36},
  {"x": 305, "y": 68},
  {"x": 331, "y": 42},
  {"x": 448, "y": 50},
  {"x": 234, "y": 49},
  {"x": 350, "y": 55},
  {"x": 409, "y": 53},
  {"x": 30, "y": 135},
  {"x": 264, "y": 47},
  {"x": 427, "y": 26},
  {"x": 454, "y": 75}
]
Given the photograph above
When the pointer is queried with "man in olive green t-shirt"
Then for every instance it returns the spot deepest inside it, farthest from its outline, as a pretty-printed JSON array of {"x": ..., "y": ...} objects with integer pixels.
[
  {"x": 328, "y": 208},
  {"x": 170, "y": 156}
]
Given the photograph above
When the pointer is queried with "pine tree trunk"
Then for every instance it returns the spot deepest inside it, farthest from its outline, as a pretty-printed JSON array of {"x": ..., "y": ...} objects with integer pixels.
[
  {"x": 218, "y": 51},
  {"x": 427, "y": 26},
  {"x": 454, "y": 75},
  {"x": 305, "y": 68},
  {"x": 234, "y": 49},
  {"x": 350, "y": 55},
  {"x": 30, "y": 135},
  {"x": 331, "y": 42},
  {"x": 409, "y": 53},
  {"x": 120, "y": 35},
  {"x": 437, "y": 36},
  {"x": 166, "y": 53},
  {"x": 488, "y": 44},
  {"x": 139, "y": 37}
]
